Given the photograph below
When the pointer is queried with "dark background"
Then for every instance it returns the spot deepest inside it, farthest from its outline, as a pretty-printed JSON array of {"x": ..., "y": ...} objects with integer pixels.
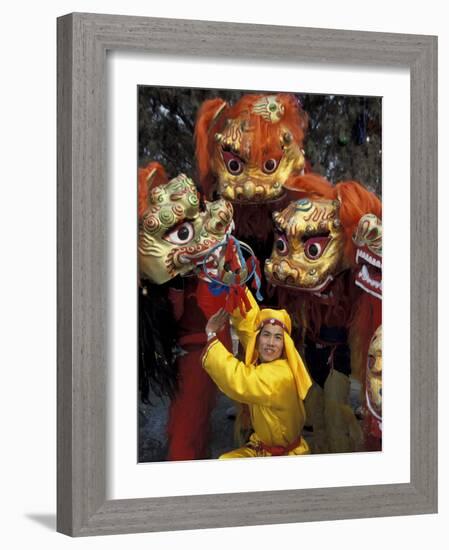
[{"x": 343, "y": 141}]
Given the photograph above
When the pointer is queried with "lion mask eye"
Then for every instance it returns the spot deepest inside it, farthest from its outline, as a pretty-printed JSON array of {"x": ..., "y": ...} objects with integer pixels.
[
  {"x": 181, "y": 234},
  {"x": 234, "y": 164},
  {"x": 315, "y": 247},
  {"x": 281, "y": 245},
  {"x": 270, "y": 166}
]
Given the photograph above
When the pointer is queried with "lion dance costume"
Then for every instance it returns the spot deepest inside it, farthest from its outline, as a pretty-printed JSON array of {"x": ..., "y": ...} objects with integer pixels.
[
  {"x": 313, "y": 263},
  {"x": 176, "y": 232},
  {"x": 368, "y": 241},
  {"x": 245, "y": 153}
]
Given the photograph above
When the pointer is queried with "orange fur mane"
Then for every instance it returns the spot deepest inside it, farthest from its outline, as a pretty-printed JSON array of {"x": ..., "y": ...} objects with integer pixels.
[
  {"x": 355, "y": 201},
  {"x": 151, "y": 176},
  {"x": 263, "y": 137}
]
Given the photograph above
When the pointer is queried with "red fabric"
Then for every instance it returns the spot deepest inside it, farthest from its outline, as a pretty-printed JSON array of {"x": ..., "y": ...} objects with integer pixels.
[
  {"x": 231, "y": 256},
  {"x": 188, "y": 425},
  {"x": 254, "y": 221},
  {"x": 196, "y": 339},
  {"x": 193, "y": 319},
  {"x": 207, "y": 302},
  {"x": 237, "y": 299},
  {"x": 312, "y": 312},
  {"x": 176, "y": 298},
  {"x": 278, "y": 450},
  {"x": 274, "y": 322},
  {"x": 372, "y": 433},
  {"x": 189, "y": 412}
]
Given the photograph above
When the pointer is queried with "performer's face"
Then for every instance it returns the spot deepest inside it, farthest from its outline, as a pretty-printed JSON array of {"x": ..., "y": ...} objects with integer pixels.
[{"x": 270, "y": 343}]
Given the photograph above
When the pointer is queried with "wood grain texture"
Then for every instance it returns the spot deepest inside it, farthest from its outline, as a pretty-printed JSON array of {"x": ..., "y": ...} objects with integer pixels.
[
  {"x": 423, "y": 274},
  {"x": 83, "y": 40},
  {"x": 64, "y": 278}
]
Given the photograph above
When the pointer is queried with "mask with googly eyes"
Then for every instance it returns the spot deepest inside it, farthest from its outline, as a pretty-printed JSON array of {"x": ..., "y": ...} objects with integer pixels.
[
  {"x": 308, "y": 246},
  {"x": 251, "y": 148},
  {"x": 176, "y": 232}
]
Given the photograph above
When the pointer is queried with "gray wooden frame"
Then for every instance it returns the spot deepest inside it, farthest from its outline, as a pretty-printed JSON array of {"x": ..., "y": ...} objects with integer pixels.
[{"x": 83, "y": 40}]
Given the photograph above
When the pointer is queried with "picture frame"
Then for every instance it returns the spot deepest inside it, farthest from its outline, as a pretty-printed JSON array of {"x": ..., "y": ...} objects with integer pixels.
[{"x": 83, "y": 42}]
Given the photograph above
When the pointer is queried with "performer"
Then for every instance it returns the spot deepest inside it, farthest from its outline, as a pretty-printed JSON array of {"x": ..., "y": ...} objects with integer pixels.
[{"x": 272, "y": 381}]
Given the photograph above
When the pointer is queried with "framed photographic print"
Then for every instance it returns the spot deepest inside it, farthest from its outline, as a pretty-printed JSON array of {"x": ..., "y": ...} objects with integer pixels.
[{"x": 237, "y": 160}]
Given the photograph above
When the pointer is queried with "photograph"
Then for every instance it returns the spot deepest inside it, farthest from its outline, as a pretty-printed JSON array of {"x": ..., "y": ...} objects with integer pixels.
[
  {"x": 259, "y": 273},
  {"x": 222, "y": 192}
]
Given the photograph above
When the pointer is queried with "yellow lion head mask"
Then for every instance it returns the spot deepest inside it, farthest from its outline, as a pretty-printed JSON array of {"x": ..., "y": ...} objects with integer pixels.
[
  {"x": 247, "y": 151},
  {"x": 175, "y": 232}
]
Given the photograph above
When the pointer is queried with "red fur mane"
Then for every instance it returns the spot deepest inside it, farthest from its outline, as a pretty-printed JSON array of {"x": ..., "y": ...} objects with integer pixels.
[
  {"x": 355, "y": 201},
  {"x": 264, "y": 136},
  {"x": 151, "y": 176}
]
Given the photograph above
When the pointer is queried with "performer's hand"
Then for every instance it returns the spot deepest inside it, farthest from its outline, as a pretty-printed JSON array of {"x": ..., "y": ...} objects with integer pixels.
[{"x": 217, "y": 321}]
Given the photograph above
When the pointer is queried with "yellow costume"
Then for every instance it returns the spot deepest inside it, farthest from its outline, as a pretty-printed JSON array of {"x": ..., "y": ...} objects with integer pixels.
[{"x": 273, "y": 391}]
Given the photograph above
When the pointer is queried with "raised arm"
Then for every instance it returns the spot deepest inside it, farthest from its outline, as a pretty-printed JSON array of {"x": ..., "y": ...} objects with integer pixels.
[{"x": 246, "y": 326}]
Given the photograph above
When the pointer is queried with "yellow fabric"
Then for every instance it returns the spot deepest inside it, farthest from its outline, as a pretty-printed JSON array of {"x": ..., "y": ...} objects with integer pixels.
[
  {"x": 273, "y": 391},
  {"x": 250, "y": 450},
  {"x": 248, "y": 329}
]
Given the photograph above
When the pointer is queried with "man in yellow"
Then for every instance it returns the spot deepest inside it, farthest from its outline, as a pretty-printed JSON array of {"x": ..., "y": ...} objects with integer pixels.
[{"x": 272, "y": 381}]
